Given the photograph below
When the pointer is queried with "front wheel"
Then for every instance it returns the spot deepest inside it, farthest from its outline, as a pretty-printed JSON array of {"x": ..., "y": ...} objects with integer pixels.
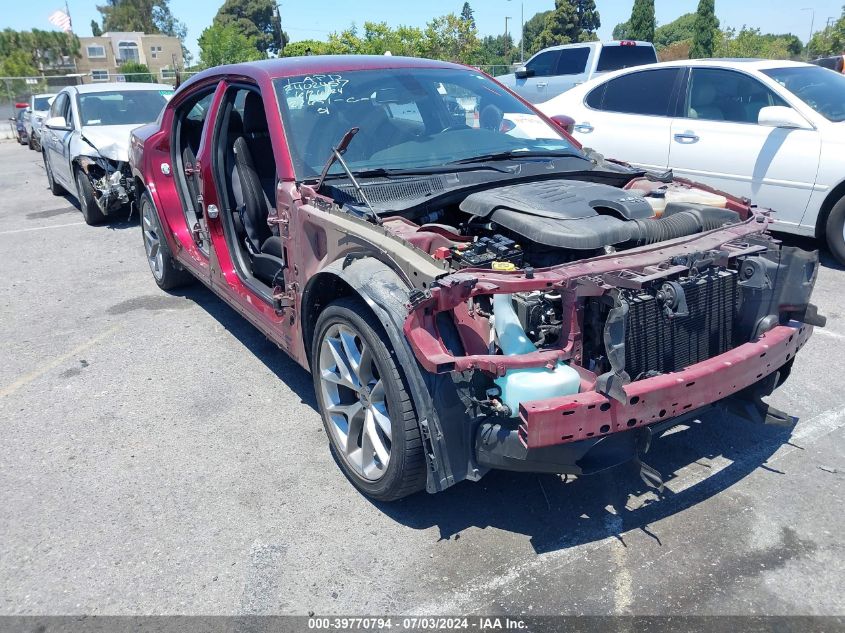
[
  {"x": 85, "y": 194},
  {"x": 166, "y": 272},
  {"x": 367, "y": 412},
  {"x": 835, "y": 231}
]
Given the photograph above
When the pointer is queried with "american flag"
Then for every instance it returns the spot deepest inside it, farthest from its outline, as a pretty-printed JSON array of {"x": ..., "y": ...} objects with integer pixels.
[{"x": 60, "y": 19}]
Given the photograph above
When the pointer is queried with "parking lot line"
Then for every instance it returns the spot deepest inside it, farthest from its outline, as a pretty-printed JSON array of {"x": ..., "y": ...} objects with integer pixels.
[
  {"x": 55, "y": 362},
  {"x": 41, "y": 228}
]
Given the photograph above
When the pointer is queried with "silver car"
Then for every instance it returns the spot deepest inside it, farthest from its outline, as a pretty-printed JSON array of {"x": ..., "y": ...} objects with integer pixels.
[
  {"x": 86, "y": 142},
  {"x": 34, "y": 115}
]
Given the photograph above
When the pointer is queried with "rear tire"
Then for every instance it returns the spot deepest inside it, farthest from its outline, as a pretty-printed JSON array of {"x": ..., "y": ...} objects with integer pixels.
[
  {"x": 55, "y": 188},
  {"x": 835, "y": 231},
  {"x": 31, "y": 144},
  {"x": 85, "y": 194},
  {"x": 166, "y": 272},
  {"x": 367, "y": 413}
]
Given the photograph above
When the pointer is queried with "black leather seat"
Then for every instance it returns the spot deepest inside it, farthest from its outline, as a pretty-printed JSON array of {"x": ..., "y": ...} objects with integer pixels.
[{"x": 254, "y": 188}]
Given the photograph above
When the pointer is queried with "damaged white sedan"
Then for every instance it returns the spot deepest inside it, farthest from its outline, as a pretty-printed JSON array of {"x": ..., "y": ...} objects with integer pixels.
[{"x": 85, "y": 142}]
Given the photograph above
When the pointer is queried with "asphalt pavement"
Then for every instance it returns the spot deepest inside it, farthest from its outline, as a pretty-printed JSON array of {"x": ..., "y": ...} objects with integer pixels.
[{"x": 160, "y": 456}]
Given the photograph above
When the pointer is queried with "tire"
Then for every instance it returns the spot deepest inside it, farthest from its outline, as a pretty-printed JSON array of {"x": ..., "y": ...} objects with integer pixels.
[
  {"x": 166, "y": 272},
  {"x": 55, "y": 188},
  {"x": 85, "y": 194},
  {"x": 835, "y": 231},
  {"x": 373, "y": 407},
  {"x": 31, "y": 144}
]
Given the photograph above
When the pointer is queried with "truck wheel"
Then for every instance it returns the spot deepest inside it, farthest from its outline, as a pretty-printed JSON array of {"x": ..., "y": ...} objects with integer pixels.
[
  {"x": 55, "y": 188},
  {"x": 367, "y": 412},
  {"x": 835, "y": 231},
  {"x": 166, "y": 272},
  {"x": 85, "y": 194}
]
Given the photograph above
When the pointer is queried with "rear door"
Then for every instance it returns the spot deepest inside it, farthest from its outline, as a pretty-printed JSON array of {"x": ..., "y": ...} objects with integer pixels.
[
  {"x": 718, "y": 141},
  {"x": 629, "y": 117}
]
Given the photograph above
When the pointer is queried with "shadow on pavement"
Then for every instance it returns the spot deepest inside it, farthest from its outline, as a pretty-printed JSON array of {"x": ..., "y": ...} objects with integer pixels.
[{"x": 558, "y": 514}]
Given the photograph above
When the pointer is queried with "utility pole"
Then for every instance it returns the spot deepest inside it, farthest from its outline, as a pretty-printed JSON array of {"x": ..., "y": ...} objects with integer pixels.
[
  {"x": 812, "y": 21},
  {"x": 507, "y": 44}
]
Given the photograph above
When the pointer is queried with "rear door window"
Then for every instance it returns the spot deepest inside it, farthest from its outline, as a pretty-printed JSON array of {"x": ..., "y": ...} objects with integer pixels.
[
  {"x": 618, "y": 57},
  {"x": 572, "y": 61},
  {"x": 648, "y": 92},
  {"x": 544, "y": 64},
  {"x": 725, "y": 95}
]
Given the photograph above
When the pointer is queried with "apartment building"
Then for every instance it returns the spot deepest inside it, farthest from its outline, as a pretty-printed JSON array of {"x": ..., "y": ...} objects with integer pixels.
[{"x": 100, "y": 57}]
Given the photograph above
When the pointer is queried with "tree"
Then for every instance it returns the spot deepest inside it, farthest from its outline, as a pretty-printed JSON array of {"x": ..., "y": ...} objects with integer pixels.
[
  {"x": 467, "y": 15},
  {"x": 147, "y": 16},
  {"x": 749, "y": 42},
  {"x": 450, "y": 38},
  {"x": 135, "y": 72},
  {"x": 42, "y": 49},
  {"x": 829, "y": 41},
  {"x": 306, "y": 47},
  {"x": 225, "y": 44},
  {"x": 531, "y": 32},
  {"x": 571, "y": 21},
  {"x": 622, "y": 31},
  {"x": 642, "y": 21},
  {"x": 706, "y": 28},
  {"x": 679, "y": 30},
  {"x": 256, "y": 19},
  {"x": 96, "y": 31}
]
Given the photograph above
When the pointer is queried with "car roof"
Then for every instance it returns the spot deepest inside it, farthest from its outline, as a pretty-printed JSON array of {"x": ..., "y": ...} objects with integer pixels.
[
  {"x": 314, "y": 64},
  {"x": 727, "y": 62},
  {"x": 598, "y": 44},
  {"x": 119, "y": 86},
  {"x": 44, "y": 94}
]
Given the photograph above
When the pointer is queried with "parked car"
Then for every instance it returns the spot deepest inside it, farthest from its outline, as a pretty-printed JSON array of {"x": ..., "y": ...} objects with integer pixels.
[
  {"x": 837, "y": 63},
  {"x": 465, "y": 297},
  {"x": 557, "y": 69},
  {"x": 39, "y": 107},
  {"x": 86, "y": 142},
  {"x": 768, "y": 130},
  {"x": 20, "y": 126}
]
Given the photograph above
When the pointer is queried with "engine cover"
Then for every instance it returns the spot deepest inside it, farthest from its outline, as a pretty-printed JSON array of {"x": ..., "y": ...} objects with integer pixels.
[{"x": 561, "y": 213}]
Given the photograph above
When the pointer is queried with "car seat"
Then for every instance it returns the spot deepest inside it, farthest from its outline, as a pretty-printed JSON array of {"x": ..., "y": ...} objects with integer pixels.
[{"x": 703, "y": 102}]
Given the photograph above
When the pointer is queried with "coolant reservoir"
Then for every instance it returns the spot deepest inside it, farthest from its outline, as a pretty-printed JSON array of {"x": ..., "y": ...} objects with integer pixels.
[
  {"x": 525, "y": 385},
  {"x": 696, "y": 196}
]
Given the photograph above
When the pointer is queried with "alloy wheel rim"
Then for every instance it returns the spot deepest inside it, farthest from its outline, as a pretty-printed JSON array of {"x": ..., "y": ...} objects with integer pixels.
[
  {"x": 354, "y": 400},
  {"x": 152, "y": 242}
]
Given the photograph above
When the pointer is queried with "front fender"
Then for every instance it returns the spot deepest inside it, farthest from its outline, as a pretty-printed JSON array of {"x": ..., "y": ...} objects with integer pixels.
[{"x": 440, "y": 412}]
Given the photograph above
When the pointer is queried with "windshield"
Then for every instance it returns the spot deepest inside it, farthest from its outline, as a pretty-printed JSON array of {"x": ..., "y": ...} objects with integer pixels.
[
  {"x": 132, "y": 107},
  {"x": 821, "y": 89},
  {"x": 42, "y": 103},
  {"x": 408, "y": 118}
]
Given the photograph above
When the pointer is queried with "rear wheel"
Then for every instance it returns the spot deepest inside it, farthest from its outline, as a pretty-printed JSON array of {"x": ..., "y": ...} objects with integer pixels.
[
  {"x": 166, "y": 272},
  {"x": 367, "y": 412},
  {"x": 85, "y": 194},
  {"x": 55, "y": 188},
  {"x": 835, "y": 231}
]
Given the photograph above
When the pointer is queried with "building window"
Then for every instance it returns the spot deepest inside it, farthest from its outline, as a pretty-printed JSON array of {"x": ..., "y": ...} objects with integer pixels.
[
  {"x": 168, "y": 73},
  {"x": 96, "y": 51},
  {"x": 99, "y": 75},
  {"x": 128, "y": 52}
]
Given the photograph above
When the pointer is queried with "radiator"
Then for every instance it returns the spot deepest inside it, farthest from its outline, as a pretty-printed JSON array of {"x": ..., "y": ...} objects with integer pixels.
[{"x": 657, "y": 342}]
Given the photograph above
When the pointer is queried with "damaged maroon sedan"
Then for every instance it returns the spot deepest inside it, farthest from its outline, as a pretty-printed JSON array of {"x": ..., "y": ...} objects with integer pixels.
[{"x": 469, "y": 289}]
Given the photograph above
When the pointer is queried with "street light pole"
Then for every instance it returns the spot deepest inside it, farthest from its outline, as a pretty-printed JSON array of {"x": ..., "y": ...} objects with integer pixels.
[{"x": 521, "y": 32}]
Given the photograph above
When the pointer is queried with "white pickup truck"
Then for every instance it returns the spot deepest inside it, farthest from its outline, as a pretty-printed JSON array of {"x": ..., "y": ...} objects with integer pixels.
[{"x": 557, "y": 69}]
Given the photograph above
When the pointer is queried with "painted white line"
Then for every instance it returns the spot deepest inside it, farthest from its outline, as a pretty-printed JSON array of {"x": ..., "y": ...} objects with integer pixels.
[
  {"x": 806, "y": 433},
  {"x": 55, "y": 362},
  {"x": 41, "y": 228}
]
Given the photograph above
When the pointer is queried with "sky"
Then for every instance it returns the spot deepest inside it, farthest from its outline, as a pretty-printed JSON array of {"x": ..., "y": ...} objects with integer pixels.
[{"x": 315, "y": 19}]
